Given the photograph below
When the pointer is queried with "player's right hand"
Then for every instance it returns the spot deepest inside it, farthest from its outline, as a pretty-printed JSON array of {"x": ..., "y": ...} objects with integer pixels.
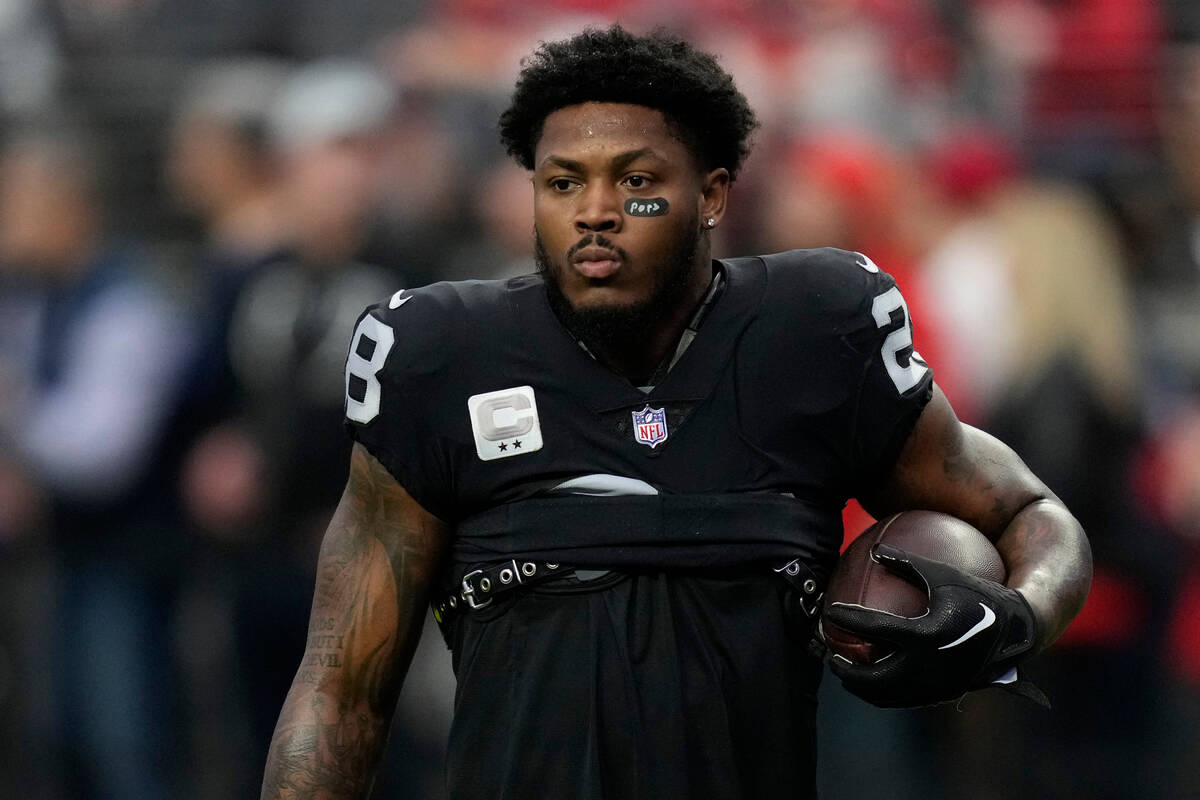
[{"x": 973, "y": 635}]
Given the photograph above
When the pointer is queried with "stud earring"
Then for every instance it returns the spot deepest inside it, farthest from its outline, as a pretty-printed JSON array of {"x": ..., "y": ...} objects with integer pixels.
[{"x": 710, "y": 223}]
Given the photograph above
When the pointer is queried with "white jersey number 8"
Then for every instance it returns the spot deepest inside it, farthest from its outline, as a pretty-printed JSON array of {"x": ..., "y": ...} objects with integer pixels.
[{"x": 369, "y": 348}]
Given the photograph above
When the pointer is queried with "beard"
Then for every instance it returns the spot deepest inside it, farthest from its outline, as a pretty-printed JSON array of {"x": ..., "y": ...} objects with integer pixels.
[{"x": 617, "y": 327}]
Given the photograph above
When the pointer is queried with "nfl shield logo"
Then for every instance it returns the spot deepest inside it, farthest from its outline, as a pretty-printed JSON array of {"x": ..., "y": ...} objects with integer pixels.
[{"x": 650, "y": 426}]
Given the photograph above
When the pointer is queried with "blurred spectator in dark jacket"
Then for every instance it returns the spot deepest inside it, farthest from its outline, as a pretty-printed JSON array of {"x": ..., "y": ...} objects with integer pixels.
[
  {"x": 219, "y": 164},
  {"x": 221, "y": 170},
  {"x": 265, "y": 477},
  {"x": 26, "y": 620},
  {"x": 291, "y": 322},
  {"x": 222, "y": 173},
  {"x": 91, "y": 436}
]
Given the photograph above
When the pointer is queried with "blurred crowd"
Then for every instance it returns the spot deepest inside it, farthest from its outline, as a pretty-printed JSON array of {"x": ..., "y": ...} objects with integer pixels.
[{"x": 197, "y": 200}]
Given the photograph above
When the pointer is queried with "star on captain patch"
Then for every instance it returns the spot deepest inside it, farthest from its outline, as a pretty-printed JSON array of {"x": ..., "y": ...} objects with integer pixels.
[{"x": 650, "y": 426}]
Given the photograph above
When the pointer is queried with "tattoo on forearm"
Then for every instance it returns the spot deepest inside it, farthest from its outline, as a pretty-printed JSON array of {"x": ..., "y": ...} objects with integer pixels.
[
  {"x": 974, "y": 470},
  {"x": 323, "y": 759},
  {"x": 376, "y": 564},
  {"x": 322, "y": 650}
]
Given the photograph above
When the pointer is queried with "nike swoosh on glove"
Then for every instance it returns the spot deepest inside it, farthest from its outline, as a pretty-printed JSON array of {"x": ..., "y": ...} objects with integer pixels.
[{"x": 972, "y": 637}]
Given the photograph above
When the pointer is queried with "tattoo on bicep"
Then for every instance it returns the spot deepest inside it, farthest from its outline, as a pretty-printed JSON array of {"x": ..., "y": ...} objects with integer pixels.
[
  {"x": 1001, "y": 508},
  {"x": 976, "y": 476},
  {"x": 956, "y": 468}
]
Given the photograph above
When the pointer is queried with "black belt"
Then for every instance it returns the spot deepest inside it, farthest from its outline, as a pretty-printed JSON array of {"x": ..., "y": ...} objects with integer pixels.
[
  {"x": 481, "y": 585},
  {"x": 801, "y": 577}
]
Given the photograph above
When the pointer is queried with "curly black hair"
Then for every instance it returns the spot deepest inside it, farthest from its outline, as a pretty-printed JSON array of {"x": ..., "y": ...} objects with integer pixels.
[{"x": 702, "y": 105}]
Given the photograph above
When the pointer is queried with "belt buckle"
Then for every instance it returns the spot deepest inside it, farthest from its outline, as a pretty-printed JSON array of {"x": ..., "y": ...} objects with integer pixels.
[{"x": 468, "y": 591}]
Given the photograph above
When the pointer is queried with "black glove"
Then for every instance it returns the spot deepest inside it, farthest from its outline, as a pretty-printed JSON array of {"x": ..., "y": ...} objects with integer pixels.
[{"x": 974, "y": 634}]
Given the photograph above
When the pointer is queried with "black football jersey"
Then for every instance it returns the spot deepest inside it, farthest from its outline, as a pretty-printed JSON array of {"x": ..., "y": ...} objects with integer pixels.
[
  {"x": 795, "y": 395},
  {"x": 682, "y": 671}
]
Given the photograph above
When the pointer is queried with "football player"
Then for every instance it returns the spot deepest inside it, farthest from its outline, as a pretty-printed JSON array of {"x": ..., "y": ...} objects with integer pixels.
[{"x": 619, "y": 481}]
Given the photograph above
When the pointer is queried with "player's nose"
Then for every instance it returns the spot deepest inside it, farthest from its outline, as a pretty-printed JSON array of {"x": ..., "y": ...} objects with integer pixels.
[{"x": 599, "y": 210}]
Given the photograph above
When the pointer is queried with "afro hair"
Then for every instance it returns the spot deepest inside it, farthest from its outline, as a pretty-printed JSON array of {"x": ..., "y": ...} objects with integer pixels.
[{"x": 698, "y": 98}]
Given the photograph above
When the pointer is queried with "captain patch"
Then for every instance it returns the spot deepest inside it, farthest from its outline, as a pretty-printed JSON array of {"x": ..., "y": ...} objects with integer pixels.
[{"x": 505, "y": 423}]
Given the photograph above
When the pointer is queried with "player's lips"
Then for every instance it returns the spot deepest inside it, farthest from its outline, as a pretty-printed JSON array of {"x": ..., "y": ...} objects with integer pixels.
[{"x": 596, "y": 262}]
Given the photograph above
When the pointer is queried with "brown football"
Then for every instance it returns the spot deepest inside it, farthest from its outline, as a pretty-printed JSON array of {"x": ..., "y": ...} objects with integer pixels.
[{"x": 859, "y": 580}]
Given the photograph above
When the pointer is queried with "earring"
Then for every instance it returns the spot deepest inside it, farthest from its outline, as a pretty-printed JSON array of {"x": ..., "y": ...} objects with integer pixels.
[{"x": 710, "y": 223}]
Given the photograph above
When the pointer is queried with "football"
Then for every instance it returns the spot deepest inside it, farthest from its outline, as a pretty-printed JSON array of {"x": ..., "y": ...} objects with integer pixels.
[{"x": 859, "y": 580}]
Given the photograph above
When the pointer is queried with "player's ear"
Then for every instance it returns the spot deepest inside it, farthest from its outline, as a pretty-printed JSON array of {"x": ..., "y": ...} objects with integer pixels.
[{"x": 714, "y": 191}]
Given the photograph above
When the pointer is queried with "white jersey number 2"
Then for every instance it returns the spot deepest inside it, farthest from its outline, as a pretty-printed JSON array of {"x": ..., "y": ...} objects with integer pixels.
[
  {"x": 899, "y": 340},
  {"x": 369, "y": 348}
]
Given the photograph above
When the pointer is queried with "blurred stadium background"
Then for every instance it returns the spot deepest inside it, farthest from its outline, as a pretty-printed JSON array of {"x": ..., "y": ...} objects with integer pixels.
[{"x": 196, "y": 199}]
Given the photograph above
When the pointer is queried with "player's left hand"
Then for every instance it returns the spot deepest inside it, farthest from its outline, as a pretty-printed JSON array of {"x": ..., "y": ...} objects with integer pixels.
[{"x": 973, "y": 635}]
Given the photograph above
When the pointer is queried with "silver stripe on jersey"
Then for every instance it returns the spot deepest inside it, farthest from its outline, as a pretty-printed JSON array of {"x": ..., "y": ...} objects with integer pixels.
[{"x": 603, "y": 485}]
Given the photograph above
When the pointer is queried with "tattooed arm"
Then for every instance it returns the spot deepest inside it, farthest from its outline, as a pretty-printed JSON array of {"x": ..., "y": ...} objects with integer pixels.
[
  {"x": 951, "y": 467},
  {"x": 377, "y": 564}
]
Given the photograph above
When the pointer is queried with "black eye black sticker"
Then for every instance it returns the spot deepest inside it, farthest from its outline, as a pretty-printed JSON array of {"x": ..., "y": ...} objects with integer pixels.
[{"x": 647, "y": 207}]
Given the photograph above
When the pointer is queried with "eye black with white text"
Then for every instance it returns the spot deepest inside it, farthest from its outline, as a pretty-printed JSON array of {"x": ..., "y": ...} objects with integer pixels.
[{"x": 646, "y": 207}]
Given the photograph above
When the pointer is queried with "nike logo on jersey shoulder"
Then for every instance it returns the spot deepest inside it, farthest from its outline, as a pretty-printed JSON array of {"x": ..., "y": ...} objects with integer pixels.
[
  {"x": 989, "y": 617},
  {"x": 865, "y": 262},
  {"x": 397, "y": 300}
]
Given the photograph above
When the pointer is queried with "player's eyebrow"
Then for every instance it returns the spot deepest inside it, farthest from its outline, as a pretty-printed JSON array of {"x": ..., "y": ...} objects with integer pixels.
[
  {"x": 562, "y": 163},
  {"x": 623, "y": 160},
  {"x": 616, "y": 163}
]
